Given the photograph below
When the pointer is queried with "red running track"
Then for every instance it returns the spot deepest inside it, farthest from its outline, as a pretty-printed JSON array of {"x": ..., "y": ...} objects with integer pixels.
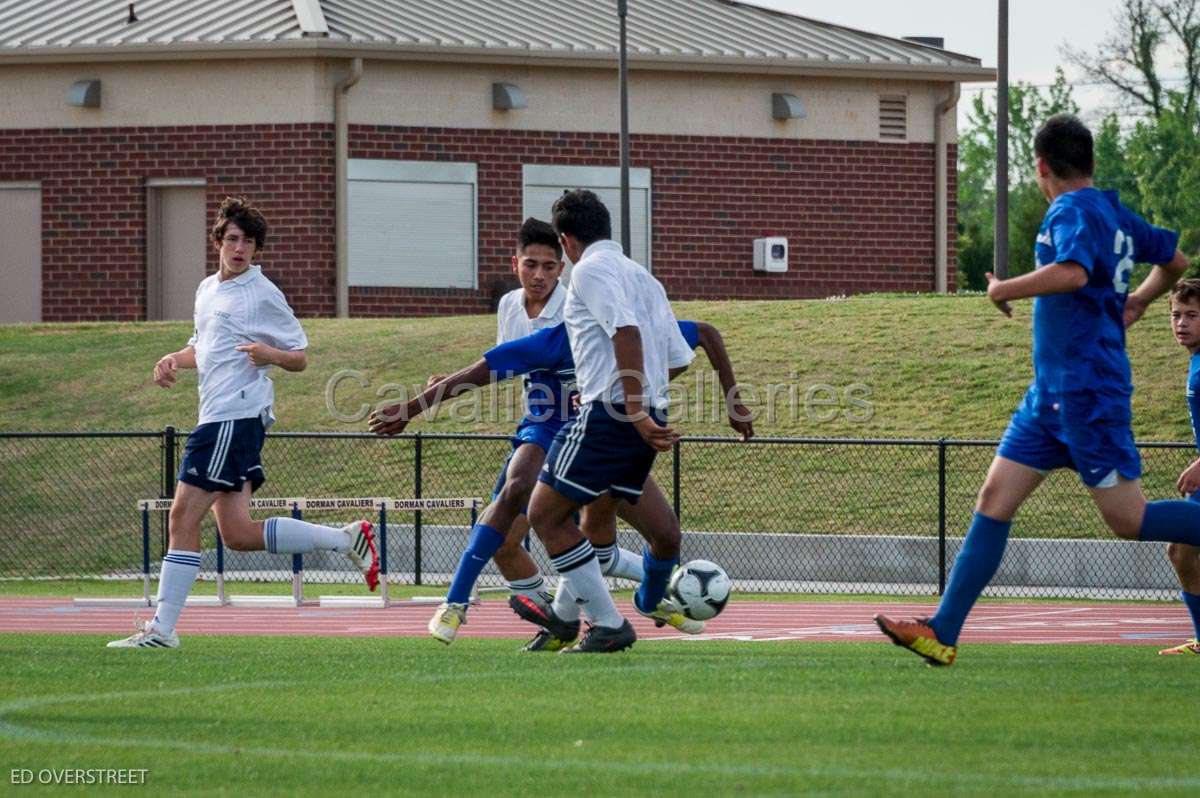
[{"x": 749, "y": 621}]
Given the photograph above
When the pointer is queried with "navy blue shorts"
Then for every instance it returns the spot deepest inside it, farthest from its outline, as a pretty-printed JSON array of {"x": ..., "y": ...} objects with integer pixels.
[
  {"x": 1098, "y": 452},
  {"x": 224, "y": 455},
  {"x": 539, "y": 433},
  {"x": 594, "y": 454}
]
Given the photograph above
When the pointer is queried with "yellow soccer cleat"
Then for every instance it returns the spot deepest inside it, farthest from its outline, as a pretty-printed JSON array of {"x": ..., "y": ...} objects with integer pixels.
[
  {"x": 544, "y": 641},
  {"x": 918, "y": 637},
  {"x": 668, "y": 614},
  {"x": 443, "y": 626},
  {"x": 1190, "y": 647}
]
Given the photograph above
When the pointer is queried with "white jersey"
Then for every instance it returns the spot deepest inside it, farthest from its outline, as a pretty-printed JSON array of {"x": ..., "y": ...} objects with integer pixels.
[
  {"x": 245, "y": 309},
  {"x": 513, "y": 322},
  {"x": 609, "y": 291}
]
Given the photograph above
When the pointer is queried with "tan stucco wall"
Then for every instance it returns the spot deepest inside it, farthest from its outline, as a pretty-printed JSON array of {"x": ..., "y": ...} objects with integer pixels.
[
  {"x": 456, "y": 95},
  {"x": 167, "y": 93},
  {"x": 697, "y": 103}
]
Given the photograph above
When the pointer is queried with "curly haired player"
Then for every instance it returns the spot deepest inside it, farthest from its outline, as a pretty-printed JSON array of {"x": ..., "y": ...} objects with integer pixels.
[{"x": 243, "y": 326}]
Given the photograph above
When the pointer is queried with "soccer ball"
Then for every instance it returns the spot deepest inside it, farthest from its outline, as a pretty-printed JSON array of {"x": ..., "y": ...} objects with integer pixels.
[{"x": 700, "y": 589}]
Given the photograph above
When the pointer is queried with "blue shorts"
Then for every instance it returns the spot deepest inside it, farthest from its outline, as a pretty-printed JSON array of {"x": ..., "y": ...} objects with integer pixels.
[
  {"x": 594, "y": 454},
  {"x": 1098, "y": 452},
  {"x": 224, "y": 455},
  {"x": 539, "y": 433}
]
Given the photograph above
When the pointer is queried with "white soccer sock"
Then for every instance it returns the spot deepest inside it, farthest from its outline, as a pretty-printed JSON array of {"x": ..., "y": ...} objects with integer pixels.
[
  {"x": 565, "y": 606},
  {"x": 282, "y": 535},
  {"x": 581, "y": 571},
  {"x": 534, "y": 587},
  {"x": 621, "y": 563},
  {"x": 179, "y": 569}
]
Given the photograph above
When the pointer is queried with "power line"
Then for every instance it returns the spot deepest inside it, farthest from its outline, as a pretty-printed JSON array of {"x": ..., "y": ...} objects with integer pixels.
[{"x": 1076, "y": 84}]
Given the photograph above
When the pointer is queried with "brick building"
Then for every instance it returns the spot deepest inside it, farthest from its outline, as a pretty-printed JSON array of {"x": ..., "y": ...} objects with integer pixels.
[{"x": 396, "y": 145}]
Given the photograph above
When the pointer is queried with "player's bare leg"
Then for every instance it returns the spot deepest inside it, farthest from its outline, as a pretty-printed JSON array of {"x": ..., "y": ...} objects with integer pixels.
[
  {"x": 281, "y": 535},
  {"x": 492, "y": 532},
  {"x": 180, "y": 565},
  {"x": 1006, "y": 488},
  {"x": 1186, "y": 562},
  {"x": 552, "y": 516}
]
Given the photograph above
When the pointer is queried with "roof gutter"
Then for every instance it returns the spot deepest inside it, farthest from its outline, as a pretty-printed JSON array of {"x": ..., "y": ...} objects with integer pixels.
[
  {"x": 941, "y": 213},
  {"x": 324, "y": 47},
  {"x": 341, "y": 189}
]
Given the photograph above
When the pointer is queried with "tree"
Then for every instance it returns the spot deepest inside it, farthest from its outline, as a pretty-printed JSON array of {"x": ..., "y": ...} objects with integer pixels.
[
  {"x": 1164, "y": 154},
  {"x": 1132, "y": 60},
  {"x": 1029, "y": 107}
]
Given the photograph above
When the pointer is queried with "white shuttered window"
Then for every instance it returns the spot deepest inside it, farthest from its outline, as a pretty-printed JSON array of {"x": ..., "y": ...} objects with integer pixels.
[
  {"x": 413, "y": 224},
  {"x": 544, "y": 184}
]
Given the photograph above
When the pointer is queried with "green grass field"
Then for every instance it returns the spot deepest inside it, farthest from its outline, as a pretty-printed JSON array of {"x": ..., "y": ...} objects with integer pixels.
[{"x": 287, "y": 716}]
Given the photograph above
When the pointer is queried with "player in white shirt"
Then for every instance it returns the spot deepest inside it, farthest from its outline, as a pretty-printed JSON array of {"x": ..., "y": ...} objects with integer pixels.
[
  {"x": 624, "y": 338},
  {"x": 243, "y": 326}
]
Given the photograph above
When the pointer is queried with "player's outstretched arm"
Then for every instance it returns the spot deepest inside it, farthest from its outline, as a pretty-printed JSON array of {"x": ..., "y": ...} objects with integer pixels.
[
  {"x": 1160, "y": 280},
  {"x": 392, "y": 419},
  {"x": 1057, "y": 278},
  {"x": 713, "y": 344},
  {"x": 167, "y": 365}
]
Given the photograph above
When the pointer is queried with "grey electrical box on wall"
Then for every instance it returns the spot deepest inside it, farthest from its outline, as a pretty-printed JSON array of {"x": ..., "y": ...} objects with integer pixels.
[{"x": 771, "y": 254}]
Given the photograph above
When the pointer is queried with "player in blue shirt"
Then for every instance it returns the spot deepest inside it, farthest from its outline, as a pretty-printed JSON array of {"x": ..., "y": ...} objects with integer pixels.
[
  {"x": 1076, "y": 413},
  {"x": 545, "y": 359},
  {"x": 1185, "y": 323}
]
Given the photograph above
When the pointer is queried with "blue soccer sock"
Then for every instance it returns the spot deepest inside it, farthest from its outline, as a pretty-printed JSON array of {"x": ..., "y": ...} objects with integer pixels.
[
  {"x": 485, "y": 541},
  {"x": 1172, "y": 521},
  {"x": 977, "y": 563},
  {"x": 654, "y": 583},
  {"x": 1193, "y": 604}
]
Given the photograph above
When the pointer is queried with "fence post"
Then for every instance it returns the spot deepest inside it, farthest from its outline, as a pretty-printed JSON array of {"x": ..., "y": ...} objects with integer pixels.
[
  {"x": 417, "y": 513},
  {"x": 168, "y": 479},
  {"x": 675, "y": 470},
  {"x": 297, "y": 565},
  {"x": 941, "y": 516}
]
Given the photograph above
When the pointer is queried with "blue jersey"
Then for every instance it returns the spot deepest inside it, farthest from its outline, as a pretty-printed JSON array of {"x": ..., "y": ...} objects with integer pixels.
[
  {"x": 1079, "y": 361},
  {"x": 545, "y": 358},
  {"x": 1193, "y": 396}
]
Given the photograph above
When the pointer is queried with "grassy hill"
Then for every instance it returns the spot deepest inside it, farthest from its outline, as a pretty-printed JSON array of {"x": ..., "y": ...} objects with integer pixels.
[
  {"x": 928, "y": 367},
  {"x": 933, "y": 366}
]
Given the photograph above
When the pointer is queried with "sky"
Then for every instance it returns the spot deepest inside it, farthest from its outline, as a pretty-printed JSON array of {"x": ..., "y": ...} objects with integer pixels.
[{"x": 1037, "y": 31}]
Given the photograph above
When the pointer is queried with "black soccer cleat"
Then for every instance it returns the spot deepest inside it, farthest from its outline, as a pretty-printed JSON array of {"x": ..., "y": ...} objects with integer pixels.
[
  {"x": 604, "y": 640},
  {"x": 543, "y": 615}
]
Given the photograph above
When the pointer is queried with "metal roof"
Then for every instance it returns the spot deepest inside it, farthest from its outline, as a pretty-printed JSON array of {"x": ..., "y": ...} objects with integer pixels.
[{"x": 716, "y": 34}]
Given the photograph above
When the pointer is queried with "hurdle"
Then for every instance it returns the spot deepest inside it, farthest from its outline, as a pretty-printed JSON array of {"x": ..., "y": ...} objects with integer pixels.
[{"x": 296, "y": 505}]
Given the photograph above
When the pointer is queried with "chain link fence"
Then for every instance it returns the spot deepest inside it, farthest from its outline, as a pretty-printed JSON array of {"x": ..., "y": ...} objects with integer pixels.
[{"x": 780, "y": 514}]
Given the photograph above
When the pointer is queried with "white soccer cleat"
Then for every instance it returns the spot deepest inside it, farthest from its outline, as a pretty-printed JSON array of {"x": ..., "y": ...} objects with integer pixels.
[
  {"x": 362, "y": 551},
  {"x": 668, "y": 614},
  {"x": 443, "y": 626},
  {"x": 147, "y": 636}
]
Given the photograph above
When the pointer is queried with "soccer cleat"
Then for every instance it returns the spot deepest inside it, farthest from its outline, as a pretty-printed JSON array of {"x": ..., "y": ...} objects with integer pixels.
[
  {"x": 147, "y": 636},
  {"x": 918, "y": 637},
  {"x": 1190, "y": 647},
  {"x": 604, "y": 640},
  {"x": 534, "y": 611},
  {"x": 362, "y": 551},
  {"x": 668, "y": 614},
  {"x": 443, "y": 626},
  {"x": 544, "y": 641}
]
